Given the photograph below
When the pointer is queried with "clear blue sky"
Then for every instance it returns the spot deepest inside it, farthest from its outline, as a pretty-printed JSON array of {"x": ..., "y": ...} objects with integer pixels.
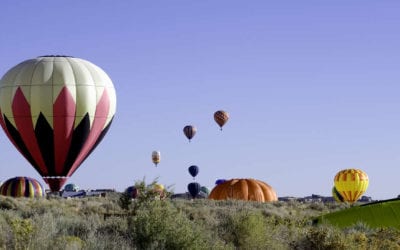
[{"x": 312, "y": 87}]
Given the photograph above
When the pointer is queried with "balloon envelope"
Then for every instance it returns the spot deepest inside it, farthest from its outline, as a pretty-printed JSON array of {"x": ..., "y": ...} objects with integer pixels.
[
  {"x": 189, "y": 131},
  {"x": 205, "y": 190},
  {"x": 351, "y": 184},
  {"x": 56, "y": 110},
  {"x": 336, "y": 195},
  {"x": 221, "y": 117},
  {"x": 132, "y": 191},
  {"x": 193, "y": 170},
  {"x": 70, "y": 187},
  {"x": 243, "y": 189},
  {"x": 194, "y": 189},
  {"x": 219, "y": 181},
  {"x": 156, "y": 157},
  {"x": 22, "y": 187}
]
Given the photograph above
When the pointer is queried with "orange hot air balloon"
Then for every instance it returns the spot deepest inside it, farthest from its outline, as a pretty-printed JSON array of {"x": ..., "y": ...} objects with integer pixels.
[
  {"x": 351, "y": 184},
  {"x": 221, "y": 117},
  {"x": 243, "y": 189},
  {"x": 56, "y": 110}
]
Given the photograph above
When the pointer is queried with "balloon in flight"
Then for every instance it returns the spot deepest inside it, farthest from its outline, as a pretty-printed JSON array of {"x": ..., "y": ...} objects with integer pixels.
[
  {"x": 221, "y": 117},
  {"x": 193, "y": 170},
  {"x": 56, "y": 110},
  {"x": 189, "y": 131},
  {"x": 156, "y": 157}
]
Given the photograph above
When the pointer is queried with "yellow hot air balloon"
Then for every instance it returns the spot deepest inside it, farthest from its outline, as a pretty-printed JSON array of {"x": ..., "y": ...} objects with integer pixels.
[
  {"x": 351, "y": 184},
  {"x": 156, "y": 157}
]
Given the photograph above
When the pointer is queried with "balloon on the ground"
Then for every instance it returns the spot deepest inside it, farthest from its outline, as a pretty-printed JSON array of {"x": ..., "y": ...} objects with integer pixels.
[
  {"x": 194, "y": 189},
  {"x": 22, "y": 187},
  {"x": 336, "y": 195},
  {"x": 193, "y": 170},
  {"x": 156, "y": 157},
  {"x": 71, "y": 187},
  {"x": 351, "y": 184},
  {"x": 56, "y": 110},
  {"x": 189, "y": 131},
  {"x": 132, "y": 191},
  {"x": 221, "y": 117},
  {"x": 243, "y": 189},
  {"x": 205, "y": 190}
]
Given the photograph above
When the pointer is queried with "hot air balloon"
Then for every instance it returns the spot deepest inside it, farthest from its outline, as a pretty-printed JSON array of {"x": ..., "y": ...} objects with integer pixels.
[
  {"x": 70, "y": 187},
  {"x": 22, "y": 187},
  {"x": 205, "y": 190},
  {"x": 351, "y": 184},
  {"x": 243, "y": 189},
  {"x": 336, "y": 195},
  {"x": 56, "y": 110},
  {"x": 193, "y": 170},
  {"x": 221, "y": 117},
  {"x": 219, "y": 181},
  {"x": 189, "y": 131},
  {"x": 132, "y": 191},
  {"x": 156, "y": 157},
  {"x": 159, "y": 188},
  {"x": 194, "y": 189}
]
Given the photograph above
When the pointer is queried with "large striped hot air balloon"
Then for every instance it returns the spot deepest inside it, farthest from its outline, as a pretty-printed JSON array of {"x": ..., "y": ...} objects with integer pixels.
[
  {"x": 22, "y": 187},
  {"x": 351, "y": 184},
  {"x": 56, "y": 110},
  {"x": 243, "y": 189}
]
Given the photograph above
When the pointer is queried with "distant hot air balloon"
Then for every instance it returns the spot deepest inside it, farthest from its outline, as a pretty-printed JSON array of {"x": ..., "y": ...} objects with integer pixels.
[
  {"x": 189, "y": 131},
  {"x": 70, "y": 187},
  {"x": 221, "y": 117},
  {"x": 205, "y": 190},
  {"x": 156, "y": 157},
  {"x": 22, "y": 187},
  {"x": 219, "y": 181},
  {"x": 159, "y": 188},
  {"x": 193, "y": 170},
  {"x": 194, "y": 189},
  {"x": 56, "y": 110},
  {"x": 351, "y": 184},
  {"x": 243, "y": 189},
  {"x": 132, "y": 191},
  {"x": 336, "y": 195}
]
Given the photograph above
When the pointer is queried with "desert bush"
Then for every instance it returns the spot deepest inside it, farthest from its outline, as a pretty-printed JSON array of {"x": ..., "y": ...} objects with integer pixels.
[
  {"x": 158, "y": 225},
  {"x": 246, "y": 230}
]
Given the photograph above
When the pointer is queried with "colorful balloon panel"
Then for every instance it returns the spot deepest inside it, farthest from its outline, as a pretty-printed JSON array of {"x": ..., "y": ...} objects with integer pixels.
[
  {"x": 22, "y": 187},
  {"x": 336, "y": 195},
  {"x": 221, "y": 117},
  {"x": 351, "y": 184},
  {"x": 56, "y": 110}
]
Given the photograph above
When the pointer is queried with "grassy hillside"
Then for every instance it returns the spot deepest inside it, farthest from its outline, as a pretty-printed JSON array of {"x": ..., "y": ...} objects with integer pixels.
[{"x": 113, "y": 223}]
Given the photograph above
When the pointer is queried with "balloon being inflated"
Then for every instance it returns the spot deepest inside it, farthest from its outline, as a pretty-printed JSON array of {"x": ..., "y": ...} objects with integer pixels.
[{"x": 56, "y": 110}]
